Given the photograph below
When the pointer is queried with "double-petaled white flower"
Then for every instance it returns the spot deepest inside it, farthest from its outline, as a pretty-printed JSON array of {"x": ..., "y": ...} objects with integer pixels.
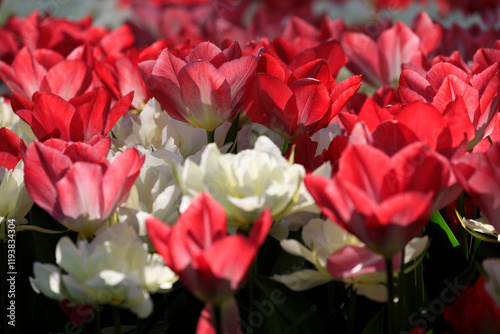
[
  {"x": 247, "y": 182},
  {"x": 154, "y": 191},
  {"x": 14, "y": 201},
  {"x": 113, "y": 269}
]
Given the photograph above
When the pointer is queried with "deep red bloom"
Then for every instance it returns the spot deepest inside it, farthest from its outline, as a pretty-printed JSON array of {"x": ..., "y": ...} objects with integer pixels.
[
  {"x": 198, "y": 249},
  {"x": 380, "y": 61},
  {"x": 479, "y": 175},
  {"x": 121, "y": 76},
  {"x": 294, "y": 100},
  {"x": 444, "y": 83},
  {"x": 474, "y": 311},
  {"x": 79, "y": 119},
  {"x": 47, "y": 71},
  {"x": 383, "y": 200}
]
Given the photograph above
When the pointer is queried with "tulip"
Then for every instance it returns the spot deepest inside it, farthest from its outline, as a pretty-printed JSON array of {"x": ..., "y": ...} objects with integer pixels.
[
  {"x": 383, "y": 200},
  {"x": 47, "y": 71},
  {"x": 76, "y": 184},
  {"x": 211, "y": 264},
  {"x": 479, "y": 175},
  {"x": 248, "y": 182},
  {"x": 79, "y": 119},
  {"x": 112, "y": 269},
  {"x": 205, "y": 88}
]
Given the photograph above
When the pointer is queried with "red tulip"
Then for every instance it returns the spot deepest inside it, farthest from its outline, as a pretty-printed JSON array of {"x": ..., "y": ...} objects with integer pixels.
[
  {"x": 211, "y": 264},
  {"x": 444, "y": 83},
  {"x": 79, "y": 119},
  {"x": 121, "y": 76},
  {"x": 46, "y": 71},
  {"x": 447, "y": 132},
  {"x": 474, "y": 311},
  {"x": 290, "y": 102},
  {"x": 205, "y": 89},
  {"x": 76, "y": 184},
  {"x": 479, "y": 175},
  {"x": 380, "y": 61},
  {"x": 383, "y": 200}
]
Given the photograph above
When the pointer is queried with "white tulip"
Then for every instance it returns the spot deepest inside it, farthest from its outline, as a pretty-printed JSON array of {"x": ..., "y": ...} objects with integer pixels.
[
  {"x": 247, "y": 182},
  {"x": 114, "y": 268},
  {"x": 14, "y": 202}
]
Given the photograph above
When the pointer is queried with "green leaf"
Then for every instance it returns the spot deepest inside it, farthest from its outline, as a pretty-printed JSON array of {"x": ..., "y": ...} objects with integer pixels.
[
  {"x": 376, "y": 325},
  {"x": 436, "y": 218},
  {"x": 295, "y": 312},
  {"x": 232, "y": 134}
]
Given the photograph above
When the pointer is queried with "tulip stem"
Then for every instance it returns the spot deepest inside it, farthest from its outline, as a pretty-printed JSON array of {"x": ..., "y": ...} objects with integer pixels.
[
  {"x": 391, "y": 305},
  {"x": 218, "y": 320},
  {"x": 401, "y": 286},
  {"x": 352, "y": 310},
  {"x": 285, "y": 147},
  {"x": 210, "y": 136},
  {"x": 116, "y": 320}
]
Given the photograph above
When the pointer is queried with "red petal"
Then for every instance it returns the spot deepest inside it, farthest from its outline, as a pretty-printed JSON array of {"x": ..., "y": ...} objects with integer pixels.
[
  {"x": 362, "y": 52},
  {"x": 43, "y": 166},
  {"x": 56, "y": 80},
  {"x": 81, "y": 180},
  {"x": 119, "y": 178},
  {"x": 158, "y": 233},
  {"x": 206, "y": 94},
  {"x": 398, "y": 45},
  {"x": 52, "y": 116}
]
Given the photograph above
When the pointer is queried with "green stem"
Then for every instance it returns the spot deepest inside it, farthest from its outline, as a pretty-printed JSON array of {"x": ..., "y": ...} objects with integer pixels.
[
  {"x": 419, "y": 283},
  {"x": 285, "y": 147},
  {"x": 391, "y": 305},
  {"x": 95, "y": 325},
  {"x": 211, "y": 136},
  {"x": 402, "y": 293},
  {"x": 331, "y": 298},
  {"x": 116, "y": 320},
  {"x": 218, "y": 320},
  {"x": 352, "y": 311},
  {"x": 464, "y": 244}
]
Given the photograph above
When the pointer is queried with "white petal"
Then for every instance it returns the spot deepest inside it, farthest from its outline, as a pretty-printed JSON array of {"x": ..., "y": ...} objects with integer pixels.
[
  {"x": 303, "y": 280},
  {"x": 296, "y": 248},
  {"x": 47, "y": 280}
]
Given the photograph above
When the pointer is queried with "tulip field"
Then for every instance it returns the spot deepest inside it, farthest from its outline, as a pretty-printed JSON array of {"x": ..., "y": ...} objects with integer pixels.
[{"x": 250, "y": 166}]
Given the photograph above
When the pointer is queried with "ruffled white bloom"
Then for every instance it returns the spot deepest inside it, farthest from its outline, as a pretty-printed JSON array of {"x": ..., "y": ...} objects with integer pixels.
[
  {"x": 322, "y": 238},
  {"x": 154, "y": 192},
  {"x": 14, "y": 200},
  {"x": 113, "y": 269},
  {"x": 153, "y": 127},
  {"x": 247, "y": 182},
  {"x": 492, "y": 283}
]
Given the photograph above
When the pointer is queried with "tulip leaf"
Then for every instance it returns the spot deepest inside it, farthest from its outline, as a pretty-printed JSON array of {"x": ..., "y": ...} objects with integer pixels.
[
  {"x": 376, "y": 325},
  {"x": 438, "y": 219},
  {"x": 232, "y": 134},
  {"x": 295, "y": 311}
]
